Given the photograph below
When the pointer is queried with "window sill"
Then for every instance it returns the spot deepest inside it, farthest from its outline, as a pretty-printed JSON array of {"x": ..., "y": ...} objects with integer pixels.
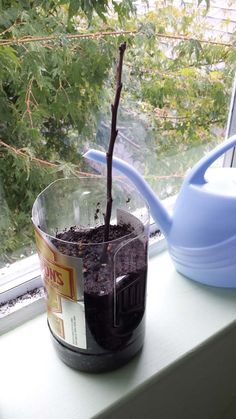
[{"x": 187, "y": 368}]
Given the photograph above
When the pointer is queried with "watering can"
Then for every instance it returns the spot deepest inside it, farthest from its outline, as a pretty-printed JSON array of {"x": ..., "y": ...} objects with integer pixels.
[{"x": 201, "y": 232}]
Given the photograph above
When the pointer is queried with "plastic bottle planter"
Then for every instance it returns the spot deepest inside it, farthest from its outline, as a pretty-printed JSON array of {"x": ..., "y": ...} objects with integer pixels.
[{"x": 96, "y": 310}]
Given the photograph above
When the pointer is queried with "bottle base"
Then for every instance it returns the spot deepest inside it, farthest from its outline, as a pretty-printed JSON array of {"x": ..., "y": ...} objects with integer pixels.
[{"x": 92, "y": 363}]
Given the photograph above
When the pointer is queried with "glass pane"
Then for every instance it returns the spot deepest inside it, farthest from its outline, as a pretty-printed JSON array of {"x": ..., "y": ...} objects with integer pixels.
[{"x": 57, "y": 83}]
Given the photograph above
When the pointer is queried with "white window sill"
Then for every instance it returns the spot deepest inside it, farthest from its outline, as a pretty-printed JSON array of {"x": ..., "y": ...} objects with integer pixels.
[{"x": 187, "y": 368}]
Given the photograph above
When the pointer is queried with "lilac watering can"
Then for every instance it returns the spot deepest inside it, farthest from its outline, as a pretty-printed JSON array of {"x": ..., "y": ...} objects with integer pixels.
[{"x": 201, "y": 233}]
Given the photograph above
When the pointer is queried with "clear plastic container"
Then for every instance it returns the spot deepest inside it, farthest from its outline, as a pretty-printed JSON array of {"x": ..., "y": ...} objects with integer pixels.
[{"x": 96, "y": 291}]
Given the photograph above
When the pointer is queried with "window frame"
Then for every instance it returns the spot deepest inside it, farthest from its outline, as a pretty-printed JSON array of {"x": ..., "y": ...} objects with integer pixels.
[{"x": 230, "y": 155}]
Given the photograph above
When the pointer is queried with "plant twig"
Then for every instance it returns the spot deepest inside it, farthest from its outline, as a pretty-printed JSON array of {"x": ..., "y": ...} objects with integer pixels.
[
  {"x": 113, "y": 135},
  {"x": 23, "y": 153},
  {"x": 94, "y": 35}
]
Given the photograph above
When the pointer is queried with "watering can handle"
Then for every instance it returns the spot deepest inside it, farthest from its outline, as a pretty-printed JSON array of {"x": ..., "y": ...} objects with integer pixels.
[{"x": 196, "y": 175}]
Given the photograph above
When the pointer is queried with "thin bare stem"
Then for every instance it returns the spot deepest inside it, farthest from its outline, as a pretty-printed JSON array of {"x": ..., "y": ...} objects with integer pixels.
[{"x": 113, "y": 135}]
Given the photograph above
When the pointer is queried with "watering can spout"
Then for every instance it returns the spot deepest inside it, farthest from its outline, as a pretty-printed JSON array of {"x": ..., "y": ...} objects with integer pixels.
[{"x": 157, "y": 209}]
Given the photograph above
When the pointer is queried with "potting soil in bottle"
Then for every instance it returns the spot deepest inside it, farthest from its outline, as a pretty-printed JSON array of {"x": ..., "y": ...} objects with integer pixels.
[{"x": 96, "y": 306}]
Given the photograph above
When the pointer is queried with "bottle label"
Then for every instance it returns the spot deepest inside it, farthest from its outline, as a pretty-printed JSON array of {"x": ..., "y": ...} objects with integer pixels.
[{"x": 63, "y": 281}]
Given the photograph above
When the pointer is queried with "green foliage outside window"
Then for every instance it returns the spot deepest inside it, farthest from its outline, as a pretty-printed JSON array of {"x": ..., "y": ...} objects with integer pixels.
[{"x": 56, "y": 84}]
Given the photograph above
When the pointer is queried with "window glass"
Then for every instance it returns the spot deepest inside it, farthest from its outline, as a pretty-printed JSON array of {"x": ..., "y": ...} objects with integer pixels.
[{"x": 57, "y": 67}]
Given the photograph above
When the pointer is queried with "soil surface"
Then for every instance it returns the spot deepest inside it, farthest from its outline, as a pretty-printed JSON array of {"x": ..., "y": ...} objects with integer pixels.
[{"x": 93, "y": 235}]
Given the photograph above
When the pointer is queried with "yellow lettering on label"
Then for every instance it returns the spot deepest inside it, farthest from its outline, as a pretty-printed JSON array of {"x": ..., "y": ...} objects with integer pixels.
[{"x": 61, "y": 278}]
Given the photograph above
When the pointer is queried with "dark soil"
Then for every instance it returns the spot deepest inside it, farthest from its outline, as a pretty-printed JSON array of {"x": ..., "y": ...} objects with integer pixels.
[
  {"x": 114, "y": 292},
  {"x": 93, "y": 235}
]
